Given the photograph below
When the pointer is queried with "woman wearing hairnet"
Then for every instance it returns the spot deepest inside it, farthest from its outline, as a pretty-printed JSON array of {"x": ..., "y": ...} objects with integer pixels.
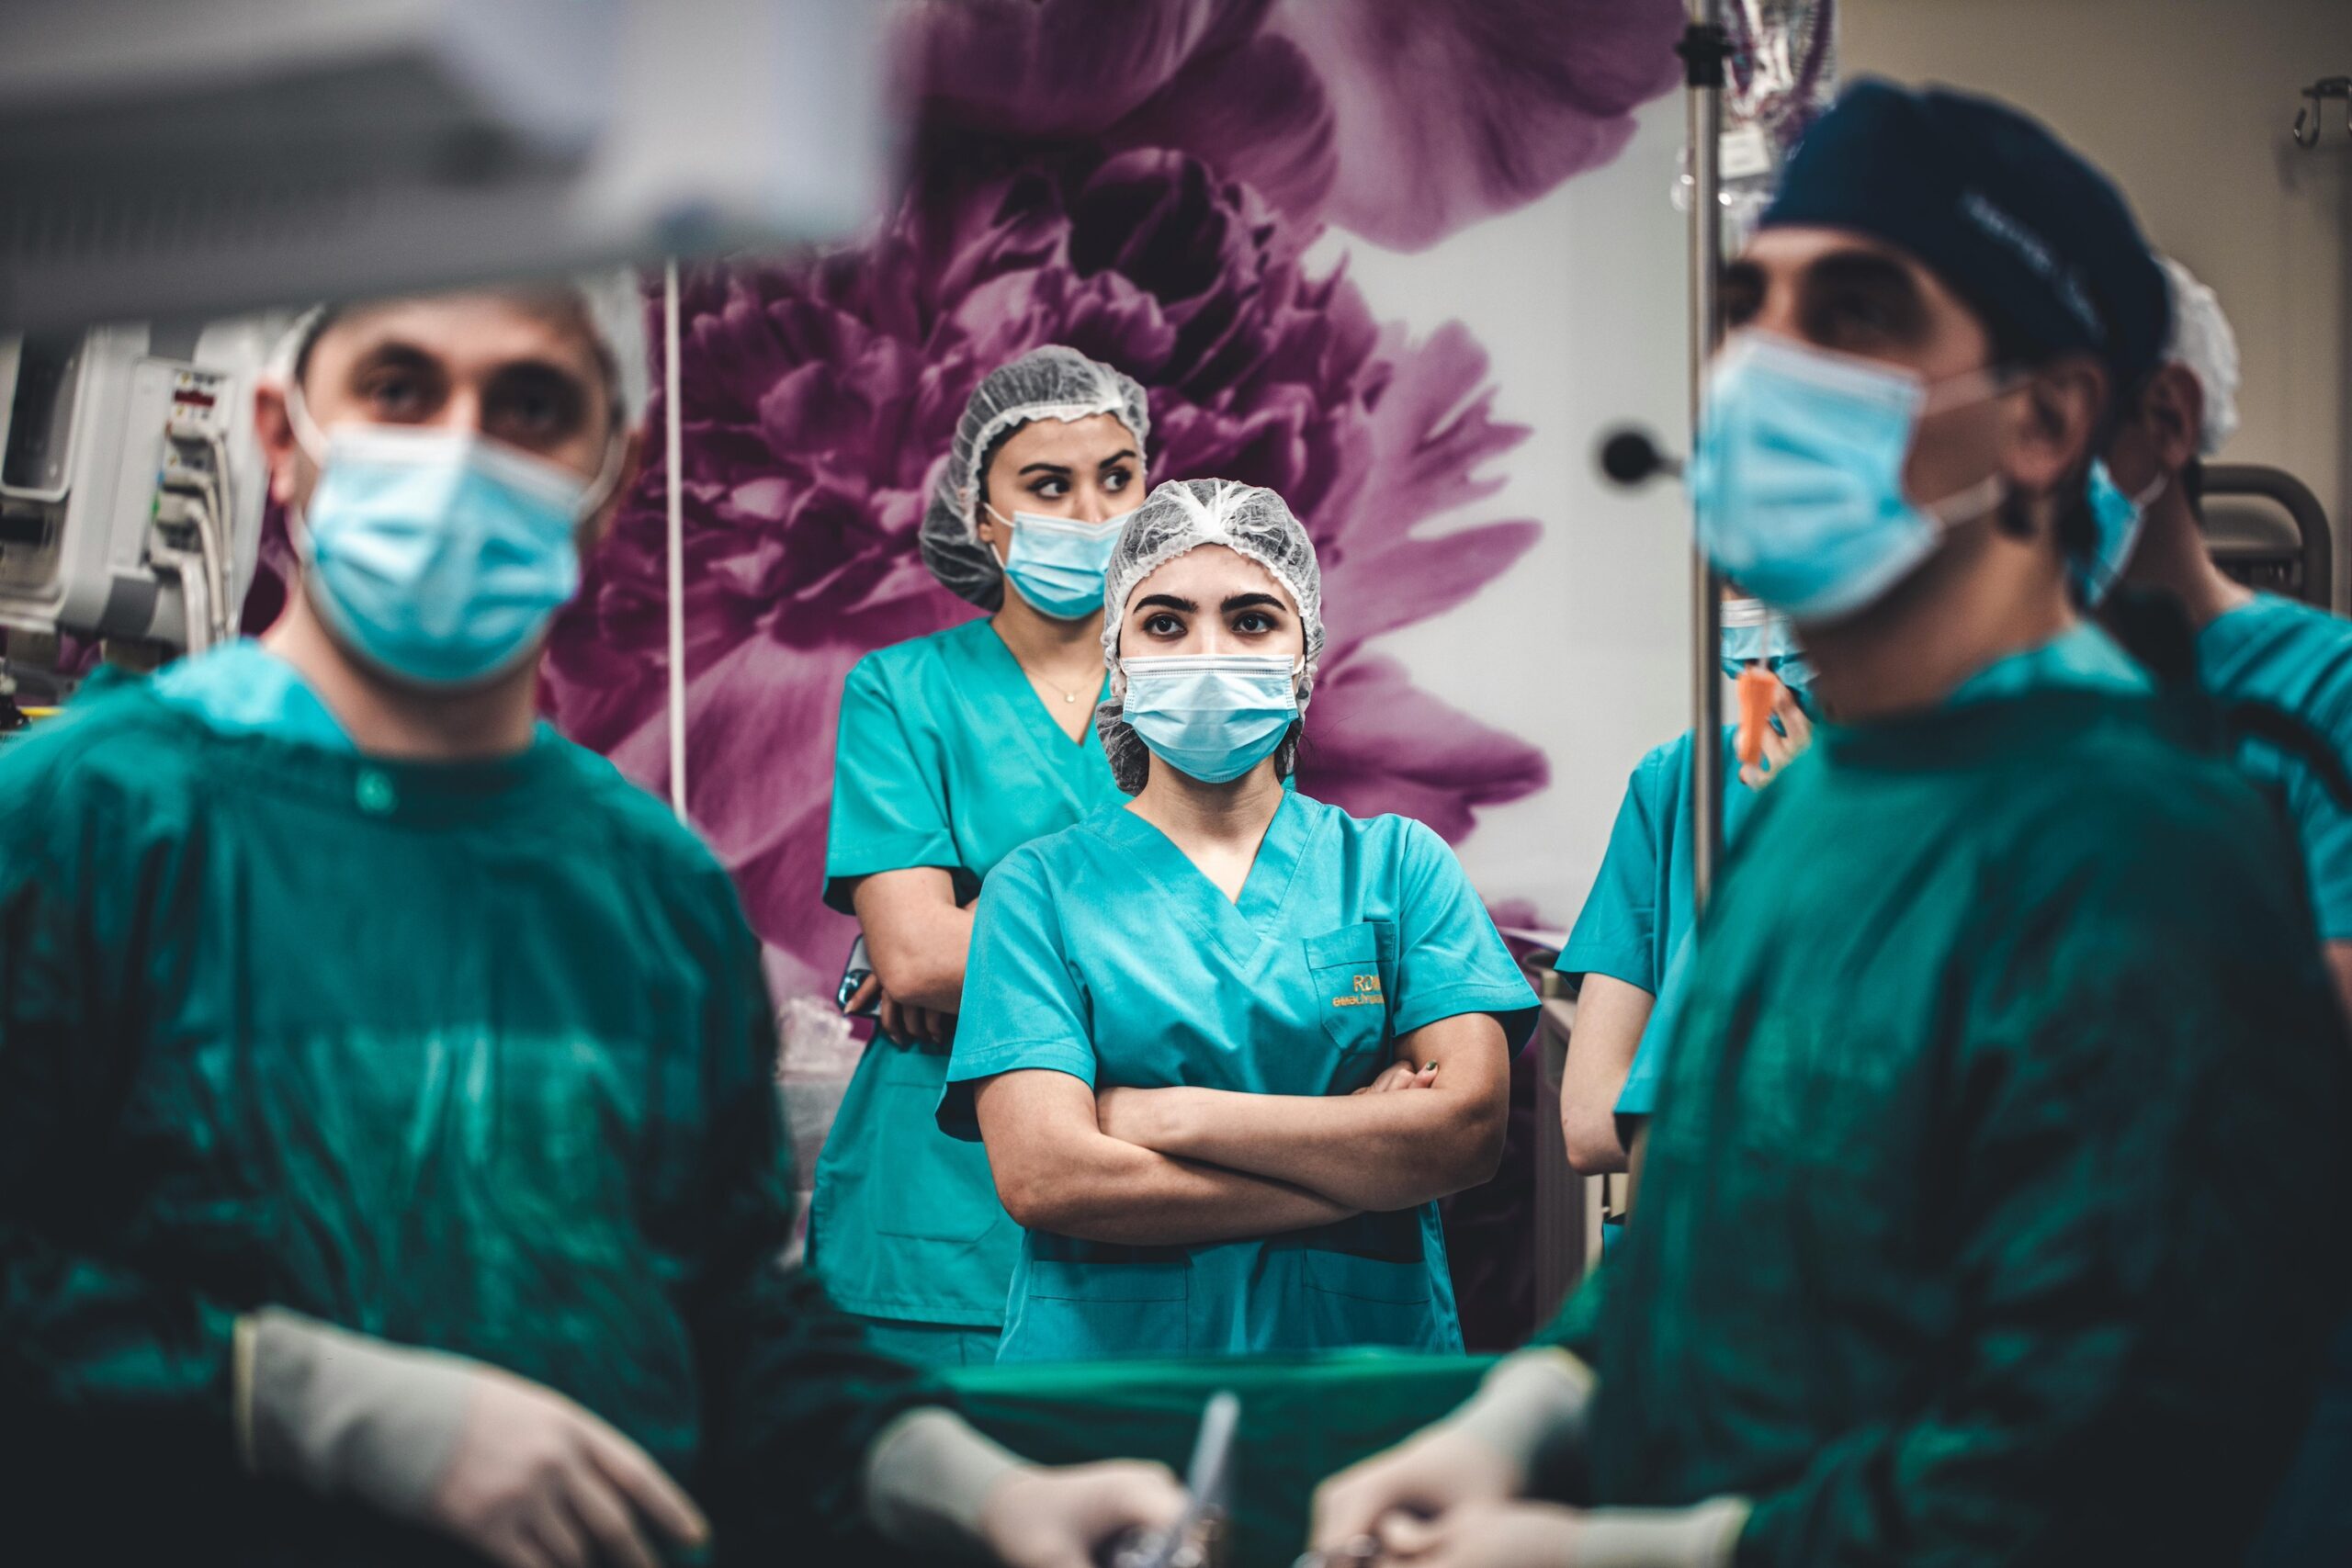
[
  {"x": 1174, "y": 1007},
  {"x": 953, "y": 749}
]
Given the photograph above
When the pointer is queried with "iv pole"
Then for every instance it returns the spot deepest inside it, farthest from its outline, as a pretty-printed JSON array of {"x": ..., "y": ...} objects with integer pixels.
[{"x": 1703, "y": 49}]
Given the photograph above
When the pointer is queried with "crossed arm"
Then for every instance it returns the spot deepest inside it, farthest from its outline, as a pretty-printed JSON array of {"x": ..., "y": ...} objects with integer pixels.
[{"x": 1186, "y": 1166}]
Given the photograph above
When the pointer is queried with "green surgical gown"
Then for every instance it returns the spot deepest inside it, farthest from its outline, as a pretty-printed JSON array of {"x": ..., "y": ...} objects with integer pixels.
[
  {"x": 474, "y": 1056},
  {"x": 1103, "y": 953},
  {"x": 2002, "y": 1120},
  {"x": 946, "y": 758}
]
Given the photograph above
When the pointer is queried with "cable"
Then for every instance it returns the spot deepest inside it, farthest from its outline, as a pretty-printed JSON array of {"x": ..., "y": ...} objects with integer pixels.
[{"x": 674, "y": 420}]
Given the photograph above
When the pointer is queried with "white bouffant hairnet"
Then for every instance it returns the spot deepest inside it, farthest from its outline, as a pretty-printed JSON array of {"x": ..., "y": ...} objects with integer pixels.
[
  {"x": 1181, "y": 516},
  {"x": 613, "y": 302},
  {"x": 1052, "y": 382},
  {"x": 2202, "y": 341}
]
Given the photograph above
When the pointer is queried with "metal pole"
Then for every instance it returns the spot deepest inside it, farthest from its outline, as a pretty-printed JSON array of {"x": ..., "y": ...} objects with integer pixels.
[
  {"x": 1704, "y": 49},
  {"x": 673, "y": 422}
]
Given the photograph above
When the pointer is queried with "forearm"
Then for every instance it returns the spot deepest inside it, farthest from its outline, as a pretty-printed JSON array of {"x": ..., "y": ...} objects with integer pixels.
[
  {"x": 1374, "y": 1152},
  {"x": 924, "y": 966},
  {"x": 1611, "y": 1016},
  {"x": 916, "y": 936},
  {"x": 1100, "y": 1189}
]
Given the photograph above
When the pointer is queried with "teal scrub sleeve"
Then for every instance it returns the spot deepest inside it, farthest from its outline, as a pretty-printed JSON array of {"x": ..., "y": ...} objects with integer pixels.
[
  {"x": 105, "y": 1366},
  {"x": 2324, "y": 831},
  {"x": 1449, "y": 958},
  {"x": 888, "y": 813},
  {"x": 1023, "y": 1007},
  {"x": 794, "y": 1395},
  {"x": 1616, "y": 932},
  {"x": 1639, "y": 1097}
]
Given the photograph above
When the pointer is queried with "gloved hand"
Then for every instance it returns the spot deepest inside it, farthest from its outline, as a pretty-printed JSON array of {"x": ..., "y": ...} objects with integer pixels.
[
  {"x": 1479, "y": 1455},
  {"x": 516, "y": 1471},
  {"x": 1038, "y": 1518},
  {"x": 938, "y": 1488},
  {"x": 1511, "y": 1535}
]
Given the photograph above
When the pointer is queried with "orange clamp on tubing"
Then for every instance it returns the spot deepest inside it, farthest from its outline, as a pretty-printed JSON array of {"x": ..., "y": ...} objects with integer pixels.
[{"x": 1758, "y": 689}]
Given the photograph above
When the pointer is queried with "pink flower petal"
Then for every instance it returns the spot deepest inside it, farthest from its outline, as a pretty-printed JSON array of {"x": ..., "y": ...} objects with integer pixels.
[{"x": 1448, "y": 111}]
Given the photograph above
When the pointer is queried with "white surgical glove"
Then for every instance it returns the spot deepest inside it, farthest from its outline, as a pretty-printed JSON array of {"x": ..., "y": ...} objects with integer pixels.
[
  {"x": 1483, "y": 1453},
  {"x": 933, "y": 1485},
  {"x": 516, "y": 1471},
  {"x": 1515, "y": 1535}
]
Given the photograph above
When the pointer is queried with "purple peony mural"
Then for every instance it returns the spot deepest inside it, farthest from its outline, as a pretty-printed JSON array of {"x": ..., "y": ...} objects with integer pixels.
[{"x": 1141, "y": 182}]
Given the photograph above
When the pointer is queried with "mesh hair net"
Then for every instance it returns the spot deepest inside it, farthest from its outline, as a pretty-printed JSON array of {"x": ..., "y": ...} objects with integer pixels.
[
  {"x": 1052, "y": 382},
  {"x": 2202, "y": 341},
  {"x": 613, "y": 303},
  {"x": 1181, "y": 516}
]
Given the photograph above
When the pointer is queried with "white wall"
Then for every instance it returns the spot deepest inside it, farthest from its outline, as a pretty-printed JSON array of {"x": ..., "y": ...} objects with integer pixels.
[
  {"x": 2188, "y": 104},
  {"x": 1584, "y": 649}
]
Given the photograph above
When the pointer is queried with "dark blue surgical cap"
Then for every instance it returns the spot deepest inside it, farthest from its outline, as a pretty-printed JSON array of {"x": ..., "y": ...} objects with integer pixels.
[{"x": 2011, "y": 219}]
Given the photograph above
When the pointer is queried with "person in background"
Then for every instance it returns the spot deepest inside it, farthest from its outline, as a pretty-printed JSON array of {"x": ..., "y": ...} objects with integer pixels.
[
  {"x": 2005, "y": 1096},
  {"x": 954, "y": 749},
  {"x": 390, "y": 1165},
  {"x": 2255, "y": 647},
  {"x": 1640, "y": 909},
  {"x": 1226, "y": 1045}
]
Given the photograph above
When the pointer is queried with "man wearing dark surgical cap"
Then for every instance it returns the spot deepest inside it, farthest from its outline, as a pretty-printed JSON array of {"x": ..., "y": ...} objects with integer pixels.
[{"x": 2005, "y": 1097}]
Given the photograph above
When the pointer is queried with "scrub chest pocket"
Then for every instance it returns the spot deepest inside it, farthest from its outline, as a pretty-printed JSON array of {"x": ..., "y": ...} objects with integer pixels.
[{"x": 1348, "y": 971}]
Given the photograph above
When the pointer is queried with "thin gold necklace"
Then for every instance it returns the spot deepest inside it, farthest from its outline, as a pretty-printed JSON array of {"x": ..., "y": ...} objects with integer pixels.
[{"x": 1068, "y": 696}]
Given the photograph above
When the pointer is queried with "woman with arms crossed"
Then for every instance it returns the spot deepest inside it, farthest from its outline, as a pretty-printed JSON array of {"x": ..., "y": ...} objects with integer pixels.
[
  {"x": 1173, "y": 1003},
  {"x": 954, "y": 747}
]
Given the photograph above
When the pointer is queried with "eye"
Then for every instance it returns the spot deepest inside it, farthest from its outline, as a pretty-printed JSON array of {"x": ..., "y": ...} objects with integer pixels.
[
  {"x": 398, "y": 396},
  {"x": 534, "y": 410},
  {"x": 1161, "y": 622},
  {"x": 1049, "y": 486},
  {"x": 1253, "y": 622},
  {"x": 1850, "y": 317},
  {"x": 1742, "y": 298},
  {"x": 1116, "y": 479}
]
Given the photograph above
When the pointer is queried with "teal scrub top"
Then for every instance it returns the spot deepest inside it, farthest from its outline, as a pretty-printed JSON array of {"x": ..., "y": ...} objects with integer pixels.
[
  {"x": 1103, "y": 953},
  {"x": 2085, "y": 658},
  {"x": 1640, "y": 910},
  {"x": 1640, "y": 906},
  {"x": 946, "y": 758},
  {"x": 2299, "y": 660}
]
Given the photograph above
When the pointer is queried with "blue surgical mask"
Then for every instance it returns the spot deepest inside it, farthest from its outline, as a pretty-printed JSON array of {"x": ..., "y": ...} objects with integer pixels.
[
  {"x": 1057, "y": 564},
  {"x": 439, "y": 556},
  {"x": 1211, "y": 717},
  {"x": 1798, "y": 478},
  {"x": 2118, "y": 517},
  {"x": 1752, "y": 633}
]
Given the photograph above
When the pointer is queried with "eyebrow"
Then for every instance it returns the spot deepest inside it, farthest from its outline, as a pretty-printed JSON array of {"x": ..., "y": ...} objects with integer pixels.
[
  {"x": 1888, "y": 282},
  {"x": 1253, "y": 601},
  {"x": 405, "y": 355},
  {"x": 1166, "y": 601},
  {"x": 393, "y": 352}
]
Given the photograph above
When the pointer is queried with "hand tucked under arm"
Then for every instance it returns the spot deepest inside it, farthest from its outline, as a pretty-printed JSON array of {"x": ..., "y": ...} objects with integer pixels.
[
  {"x": 1056, "y": 1172},
  {"x": 1367, "y": 1151}
]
